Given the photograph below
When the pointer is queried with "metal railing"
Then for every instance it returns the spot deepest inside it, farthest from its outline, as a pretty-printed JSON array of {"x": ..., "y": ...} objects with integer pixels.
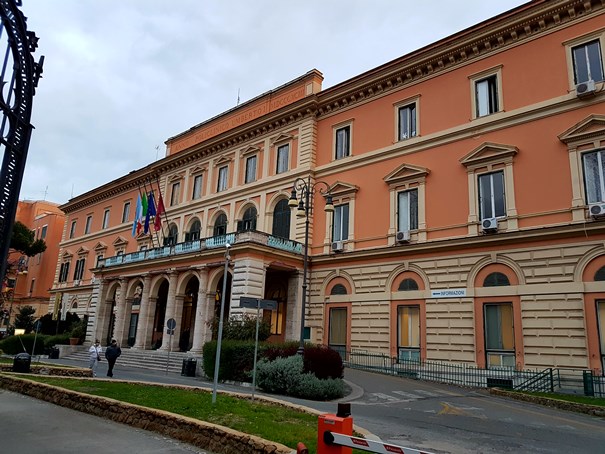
[{"x": 548, "y": 380}]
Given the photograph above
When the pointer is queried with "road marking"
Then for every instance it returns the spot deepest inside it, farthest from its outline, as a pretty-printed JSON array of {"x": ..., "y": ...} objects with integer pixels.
[
  {"x": 408, "y": 395},
  {"x": 385, "y": 396},
  {"x": 426, "y": 393}
]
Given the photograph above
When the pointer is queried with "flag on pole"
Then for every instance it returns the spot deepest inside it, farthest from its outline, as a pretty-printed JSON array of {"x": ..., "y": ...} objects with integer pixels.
[
  {"x": 137, "y": 216},
  {"x": 159, "y": 212},
  {"x": 150, "y": 211}
]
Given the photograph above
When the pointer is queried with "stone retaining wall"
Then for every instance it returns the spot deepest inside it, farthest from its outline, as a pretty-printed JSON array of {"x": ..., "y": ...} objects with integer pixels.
[{"x": 212, "y": 437}]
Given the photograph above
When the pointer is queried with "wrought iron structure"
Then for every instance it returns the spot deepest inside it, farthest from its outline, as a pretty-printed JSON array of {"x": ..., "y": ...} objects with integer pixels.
[{"x": 17, "y": 89}]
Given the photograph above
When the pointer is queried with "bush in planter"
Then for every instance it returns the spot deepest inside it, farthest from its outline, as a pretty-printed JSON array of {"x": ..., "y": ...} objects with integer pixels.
[{"x": 78, "y": 330}]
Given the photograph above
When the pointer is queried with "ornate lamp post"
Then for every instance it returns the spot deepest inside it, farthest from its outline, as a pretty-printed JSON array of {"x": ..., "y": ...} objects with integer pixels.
[{"x": 304, "y": 206}]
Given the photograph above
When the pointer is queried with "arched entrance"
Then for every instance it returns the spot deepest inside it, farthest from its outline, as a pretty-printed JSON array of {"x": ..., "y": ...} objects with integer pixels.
[
  {"x": 188, "y": 317},
  {"x": 160, "y": 314}
]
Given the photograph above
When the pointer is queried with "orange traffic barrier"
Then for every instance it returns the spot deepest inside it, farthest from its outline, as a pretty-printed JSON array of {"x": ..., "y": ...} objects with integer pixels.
[{"x": 341, "y": 422}]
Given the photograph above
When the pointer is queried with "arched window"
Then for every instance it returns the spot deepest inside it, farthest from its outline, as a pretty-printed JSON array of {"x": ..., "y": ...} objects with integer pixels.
[
  {"x": 600, "y": 274},
  {"x": 496, "y": 280},
  {"x": 220, "y": 226},
  {"x": 249, "y": 220},
  {"x": 281, "y": 219},
  {"x": 407, "y": 284},
  {"x": 173, "y": 236},
  {"x": 194, "y": 231},
  {"x": 338, "y": 289}
]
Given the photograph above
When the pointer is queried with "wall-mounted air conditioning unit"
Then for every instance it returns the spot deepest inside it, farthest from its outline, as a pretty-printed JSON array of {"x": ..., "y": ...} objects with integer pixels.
[
  {"x": 337, "y": 246},
  {"x": 585, "y": 89},
  {"x": 597, "y": 210},
  {"x": 403, "y": 236},
  {"x": 77, "y": 282},
  {"x": 489, "y": 225}
]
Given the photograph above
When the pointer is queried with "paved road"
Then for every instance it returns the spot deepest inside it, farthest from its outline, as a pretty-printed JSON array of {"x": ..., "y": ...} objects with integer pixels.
[{"x": 434, "y": 417}]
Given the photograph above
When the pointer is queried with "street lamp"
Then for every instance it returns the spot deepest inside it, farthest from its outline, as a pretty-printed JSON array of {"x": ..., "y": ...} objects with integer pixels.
[{"x": 307, "y": 189}]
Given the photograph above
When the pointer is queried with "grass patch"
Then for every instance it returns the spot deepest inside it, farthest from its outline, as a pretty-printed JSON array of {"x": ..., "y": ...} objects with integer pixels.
[
  {"x": 271, "y": 422},
  {"x": 598, "y": 401}
]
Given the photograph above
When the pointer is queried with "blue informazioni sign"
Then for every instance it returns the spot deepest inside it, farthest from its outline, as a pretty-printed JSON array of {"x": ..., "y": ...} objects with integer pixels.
[{"x": 449, "y": 293}]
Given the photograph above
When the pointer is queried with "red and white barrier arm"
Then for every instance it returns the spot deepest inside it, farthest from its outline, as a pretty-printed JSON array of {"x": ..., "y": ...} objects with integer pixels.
[{"x": 367, "y": 445}]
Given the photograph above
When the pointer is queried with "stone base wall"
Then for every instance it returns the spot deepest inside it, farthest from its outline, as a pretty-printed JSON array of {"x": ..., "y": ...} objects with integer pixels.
[{"x": 214, "y": 438}]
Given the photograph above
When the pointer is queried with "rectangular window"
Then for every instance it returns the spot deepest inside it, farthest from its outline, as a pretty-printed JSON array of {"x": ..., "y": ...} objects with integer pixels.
[
  {"x": 343, "y": 145},
  {"x": 31, "y": 287},
  {"x": 283, "y": 155},
  {"x": 337, "y": 330},
  {"x": 88, "y": 224},
  {"x": 222, "y": 179},
  {"x": 197, "y": 187},
  {"x": 340, "y": 230},
  {"x": 64, "y": 272},
  {"x": 499, "y": 335},
  {"x": 99, "y": 258},
  {"x": 126, "y": 212},
  {"x": 79, "y": 270},
  {"x": 72, "y": 229},
  {"x": 491, "y": 195},
  {"x": 594, "y": 176},
  {"x": 407, "y": 121},
  {"x": 175, "y": 195},
  {"x": 250, "y": 169},
  {"x": 601, "y": 322},
  {"x": 43, "y": 232},
  {"x": 407, "y": 210},
  {"x": 587, "y": 62},
  {"x": 408, "y": 333},
  {"x": 106, "y": 219},
  {"x": 486, "y": 96}
]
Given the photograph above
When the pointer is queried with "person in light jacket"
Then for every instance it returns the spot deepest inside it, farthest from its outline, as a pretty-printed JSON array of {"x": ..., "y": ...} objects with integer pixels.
[
  {"x": 111, "y": 353},
  {"x": 95, "y": 351}
]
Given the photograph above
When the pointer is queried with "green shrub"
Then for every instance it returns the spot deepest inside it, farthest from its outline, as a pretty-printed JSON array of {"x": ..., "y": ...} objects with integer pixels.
[
  {"x": 24, "y": 343},
  {"x": 78, "y": 329},
  {"x": 323, "y": 362},
  {"x": 286, "y": 376},
  {"x": 50, "y": 326},
  {"x": 237, "y": 360},
  {"x": 59, "y": 339},
  {"x": 271, "y": 352}
]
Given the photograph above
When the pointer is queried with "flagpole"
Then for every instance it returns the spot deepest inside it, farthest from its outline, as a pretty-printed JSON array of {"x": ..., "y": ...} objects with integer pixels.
[
  {"x": 147, "y": 215},
  {"x": 143, "y": 205},
  {"x": 157, "y": 181},
  {"x": 156, "y": 202}
]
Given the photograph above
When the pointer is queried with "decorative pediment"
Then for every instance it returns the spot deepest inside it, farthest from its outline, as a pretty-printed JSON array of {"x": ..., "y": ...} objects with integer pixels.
[
  {"x": 67, "y": 254},
  {"x": 339, "y": 188},
  {"x": 223, "y": 160},
  {"x": 585, "y": 131},
  {"x": 120, "y": 241},
  {"x": 249, "y": 150},
  {"x": 406, "y": 173},
  {"x": 176, "y": 177},
  {"x": 83, "y": 250},
  {"x": 100, "y": 247},
  {"x": 197, "y": 170},
  {"x": 282, "y": 138},
  {"x": 489, "y": 153}
]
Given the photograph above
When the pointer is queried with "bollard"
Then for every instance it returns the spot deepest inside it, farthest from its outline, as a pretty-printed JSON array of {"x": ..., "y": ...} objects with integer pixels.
[
  {"x": 301, "y": 448},
  {"x": 341, "y": 423}
]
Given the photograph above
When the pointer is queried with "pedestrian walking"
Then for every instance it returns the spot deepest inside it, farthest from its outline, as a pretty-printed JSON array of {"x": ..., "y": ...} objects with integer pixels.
[
  {"x": 111, "y": 353},
  {"x": 95, "y": 351}
]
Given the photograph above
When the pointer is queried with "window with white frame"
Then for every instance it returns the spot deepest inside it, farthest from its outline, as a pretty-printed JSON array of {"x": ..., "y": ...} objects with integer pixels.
[
  {"x": 126, "y": 212},
  {"x": 343, "y": 142},
  {"x": 250, "y": 169},
  {"x": 79, "y": 269},
  {"x": 499, "y": 335},
  {"x": 491, "y": 195},
  {"x": 106, "y": 219},
  {"x": 175, "y": 195},
  {"x": 340, "y": 229},
  {"x": 197, "y": 187},
  {"x": 283, "y": 156},
  {"x": 594, "y": 176},
  {"x": 88, "y": 224},
  {"x": 408, "y": 333},
  {"x": 486, "y": 96},
  {"x": 407, "y": 210},
  {"x": 407, "y": 121},
  {"x": 223, "y": 174},
  {"x": 587, "y": 62},
  {"x": 72, "y": 229}
]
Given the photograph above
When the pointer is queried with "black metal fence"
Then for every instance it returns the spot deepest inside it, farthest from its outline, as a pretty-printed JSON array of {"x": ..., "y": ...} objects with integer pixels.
[{"x": 547, "y": 380}]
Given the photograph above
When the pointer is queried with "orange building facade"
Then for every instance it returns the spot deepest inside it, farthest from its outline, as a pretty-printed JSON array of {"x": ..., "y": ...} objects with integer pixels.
[
  {"x": 33, "y": 277},
  {"x": 469, "y": 192}
]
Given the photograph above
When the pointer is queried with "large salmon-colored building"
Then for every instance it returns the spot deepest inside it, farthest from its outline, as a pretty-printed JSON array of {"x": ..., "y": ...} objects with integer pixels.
[{"x": 468, "y": 184}]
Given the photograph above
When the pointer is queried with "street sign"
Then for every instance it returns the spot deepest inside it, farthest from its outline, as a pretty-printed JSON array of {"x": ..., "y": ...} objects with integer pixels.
[
  {"x": 256, "y": 303},
  {"x": 170, "y": 331},
  {"x": 171, "y": 323}
]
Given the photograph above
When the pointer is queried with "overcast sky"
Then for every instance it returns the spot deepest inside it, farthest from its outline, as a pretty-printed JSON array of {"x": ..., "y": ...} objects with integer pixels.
[{"x": 122, "y": 76}]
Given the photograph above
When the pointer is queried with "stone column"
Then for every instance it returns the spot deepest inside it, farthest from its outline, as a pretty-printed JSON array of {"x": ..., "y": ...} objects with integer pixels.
[
  {"x": 143, "y": 328},
  {"x": 170, "y": 310},
  {"x": 121, "y": 312},
  {"x": 203, "y": 314},
  {"x": 95, "y": 325}
]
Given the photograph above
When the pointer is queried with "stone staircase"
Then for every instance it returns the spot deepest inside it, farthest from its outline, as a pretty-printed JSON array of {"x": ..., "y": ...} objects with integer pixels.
[{"x": 142, "y": 359}]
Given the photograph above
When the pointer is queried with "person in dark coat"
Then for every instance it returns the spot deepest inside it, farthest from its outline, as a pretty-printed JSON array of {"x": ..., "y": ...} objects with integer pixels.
[{"x": 111, "y": 353}]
